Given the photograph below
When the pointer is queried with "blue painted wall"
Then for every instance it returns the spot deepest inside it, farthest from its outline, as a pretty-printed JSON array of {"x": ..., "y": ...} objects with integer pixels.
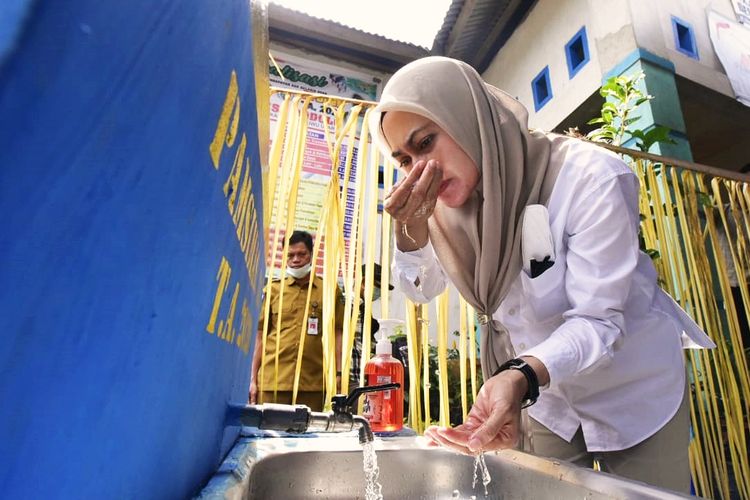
[{"x": 129, "y": 257}]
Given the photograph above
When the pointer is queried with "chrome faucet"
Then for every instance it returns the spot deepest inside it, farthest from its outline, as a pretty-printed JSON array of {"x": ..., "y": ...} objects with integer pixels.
[{"x": 300, "y": 418}]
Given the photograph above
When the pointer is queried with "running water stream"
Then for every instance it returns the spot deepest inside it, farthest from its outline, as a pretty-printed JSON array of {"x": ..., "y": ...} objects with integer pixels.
[
  {"x": 480, "y": 465},
  {"x": 373, "y": 488},
  {"x": 480, "y": 468}
]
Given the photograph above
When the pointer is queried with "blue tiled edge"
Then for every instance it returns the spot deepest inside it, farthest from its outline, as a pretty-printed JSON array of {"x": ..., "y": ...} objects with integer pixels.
[{"x": 633, "y": 57}]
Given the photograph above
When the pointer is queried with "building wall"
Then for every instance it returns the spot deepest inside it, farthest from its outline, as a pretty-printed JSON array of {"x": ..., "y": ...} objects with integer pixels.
[
  {"x": 614, "y": 31},
  {"x": 654, "y": 33},
  {"x": 540, "y": 41},
  {"x": 613, "y": 36}
]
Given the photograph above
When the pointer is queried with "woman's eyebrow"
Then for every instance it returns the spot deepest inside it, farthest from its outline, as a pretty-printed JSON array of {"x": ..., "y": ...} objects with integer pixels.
[{"x": 410, "y": 139}]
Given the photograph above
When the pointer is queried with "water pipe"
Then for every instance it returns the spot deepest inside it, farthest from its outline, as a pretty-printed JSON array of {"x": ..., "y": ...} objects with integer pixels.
[{"x": 300, "y": 418}]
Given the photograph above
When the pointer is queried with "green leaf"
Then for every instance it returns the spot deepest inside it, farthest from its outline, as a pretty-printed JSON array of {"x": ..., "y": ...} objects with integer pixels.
[
  {"x": 609, "y": 106},
  {"x": 637, "y": 134},
  {"x": 600, "y": 136},
  {"x": 632, "y": 120},
  {"x": 642, "y": 100},
  {"x": 610, "y": 84},
  {"x": 595, "y": 121},
  {"x": 659, "y": 133}
]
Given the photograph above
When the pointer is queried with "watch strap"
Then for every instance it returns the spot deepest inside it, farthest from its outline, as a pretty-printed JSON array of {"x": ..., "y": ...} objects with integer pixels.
[{"x": 532, "y": 393}]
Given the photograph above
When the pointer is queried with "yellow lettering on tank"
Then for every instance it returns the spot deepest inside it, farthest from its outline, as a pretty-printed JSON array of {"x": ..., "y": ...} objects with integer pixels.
[
  {"x": 242, "y": 209},
  {"x": 226, "y": 330},
  {"x": 233, "y": 181},
  {"x": 255, "y": 245},
  {"x": 222, "y": 276},
  {"x": 251, "y": 235},
  {"x": 240, "y": 215},
  {"x": 245, "y": 231},
  {"x": 254, "y": 256},
  {"x": 229, "y": 120}
]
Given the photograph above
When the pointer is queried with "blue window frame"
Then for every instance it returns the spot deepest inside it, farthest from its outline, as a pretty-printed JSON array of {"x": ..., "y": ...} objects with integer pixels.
[
  {"x": 577, "y": 52},
  {"x": 381, "y": 183},
  {"x": 541, "y": 88},
  {"x": 684, "y": 38},
  {"x": 381, "y": 176}
]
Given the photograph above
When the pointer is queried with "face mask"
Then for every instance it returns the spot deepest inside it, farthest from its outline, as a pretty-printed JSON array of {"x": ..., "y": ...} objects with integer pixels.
[
  {"x": 375, "y": 294},
  {"x": 299, "y": 272}
]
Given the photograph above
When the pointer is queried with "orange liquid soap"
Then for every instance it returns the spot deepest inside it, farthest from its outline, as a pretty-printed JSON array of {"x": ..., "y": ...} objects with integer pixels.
[{"x": 384, "y": 409}]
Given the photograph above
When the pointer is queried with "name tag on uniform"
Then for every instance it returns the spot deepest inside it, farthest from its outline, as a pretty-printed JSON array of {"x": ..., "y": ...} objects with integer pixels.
[{"x": 312, "y": 326}]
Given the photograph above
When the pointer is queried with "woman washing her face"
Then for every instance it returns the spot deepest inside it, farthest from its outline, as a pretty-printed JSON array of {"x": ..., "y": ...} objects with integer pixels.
[{"x": 588, "y": 338}]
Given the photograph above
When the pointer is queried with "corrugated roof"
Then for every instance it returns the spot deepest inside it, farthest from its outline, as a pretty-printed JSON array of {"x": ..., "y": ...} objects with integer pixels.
[
  {"x": 337, "y": 40},
  {"x": 451, "y": 15},
  {"x": 474, "y": 30},
  {"x": 274, "y": 6}
]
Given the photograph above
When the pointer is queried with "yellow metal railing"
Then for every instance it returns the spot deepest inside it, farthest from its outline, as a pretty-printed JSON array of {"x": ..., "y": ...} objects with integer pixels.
[
  {"x": 698, "y": 220},
  {"x": 689, "y": 213}
]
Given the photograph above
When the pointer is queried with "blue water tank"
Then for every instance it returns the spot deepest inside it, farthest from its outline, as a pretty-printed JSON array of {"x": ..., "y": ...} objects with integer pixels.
[{"x": 130, "y": 243}]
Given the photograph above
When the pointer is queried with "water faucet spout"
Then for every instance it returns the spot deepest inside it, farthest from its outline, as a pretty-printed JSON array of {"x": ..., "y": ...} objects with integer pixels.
[
  {"x": 365, "y": 432},
  {"x": 300, "y": 418}
]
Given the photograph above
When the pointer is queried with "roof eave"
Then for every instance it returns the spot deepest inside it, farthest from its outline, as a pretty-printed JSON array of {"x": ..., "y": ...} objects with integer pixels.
[
  {"x": 471, "y": 35},
  {"x": 337, "y": 41}
]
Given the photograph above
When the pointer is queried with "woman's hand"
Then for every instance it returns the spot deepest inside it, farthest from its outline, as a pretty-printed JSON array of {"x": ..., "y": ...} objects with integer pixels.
[
  {"x": 412, "y": 200},
  {"x": 494, "y": 421}
]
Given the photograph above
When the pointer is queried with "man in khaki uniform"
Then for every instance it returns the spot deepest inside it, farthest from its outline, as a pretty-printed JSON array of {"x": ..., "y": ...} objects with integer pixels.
[{"x": 291, "y": 319}]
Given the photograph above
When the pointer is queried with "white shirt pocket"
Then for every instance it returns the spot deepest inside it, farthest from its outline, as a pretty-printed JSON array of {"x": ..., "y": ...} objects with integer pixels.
[{"x": 544, "y": 297}]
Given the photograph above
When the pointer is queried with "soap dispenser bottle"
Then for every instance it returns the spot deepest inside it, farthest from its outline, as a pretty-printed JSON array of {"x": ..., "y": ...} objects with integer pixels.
[{"x": 385, "y": 409}]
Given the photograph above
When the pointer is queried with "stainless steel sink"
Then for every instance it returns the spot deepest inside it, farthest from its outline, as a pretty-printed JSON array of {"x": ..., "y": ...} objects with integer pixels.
[{"x": 331, "y": 467}]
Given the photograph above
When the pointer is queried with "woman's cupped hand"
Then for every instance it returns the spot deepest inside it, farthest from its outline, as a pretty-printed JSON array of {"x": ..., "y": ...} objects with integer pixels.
[
  {"x": 413, "y": 198},
  {"x": 494, "y": 421}
]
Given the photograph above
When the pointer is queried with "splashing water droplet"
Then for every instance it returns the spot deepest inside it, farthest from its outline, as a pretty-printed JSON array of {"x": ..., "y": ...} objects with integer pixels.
[
  {"x": 457, "y": 495},
  {"x": 479, "y": 464},
  {"x": 373, "y": 488}
]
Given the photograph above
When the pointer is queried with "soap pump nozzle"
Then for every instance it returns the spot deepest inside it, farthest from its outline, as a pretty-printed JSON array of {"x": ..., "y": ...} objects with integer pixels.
[{"x": 383, "y": 336}]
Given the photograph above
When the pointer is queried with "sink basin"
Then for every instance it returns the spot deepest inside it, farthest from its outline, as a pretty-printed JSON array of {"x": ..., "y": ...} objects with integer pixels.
[{"x": 331, "y": 467}]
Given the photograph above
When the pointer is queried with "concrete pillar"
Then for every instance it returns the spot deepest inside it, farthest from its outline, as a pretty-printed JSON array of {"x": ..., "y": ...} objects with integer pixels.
[{"x": 664, "y": 109}]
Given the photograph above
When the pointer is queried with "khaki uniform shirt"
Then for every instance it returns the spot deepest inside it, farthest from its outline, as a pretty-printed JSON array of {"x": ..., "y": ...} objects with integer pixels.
[{"x": 291, "y": 319}]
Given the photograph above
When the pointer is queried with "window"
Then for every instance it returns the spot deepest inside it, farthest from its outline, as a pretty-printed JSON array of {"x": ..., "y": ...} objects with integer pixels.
[
  {"x": 577, "y": 52},
  {"x": 684, "y": 40},
  {"x": 541, "y": 88}
]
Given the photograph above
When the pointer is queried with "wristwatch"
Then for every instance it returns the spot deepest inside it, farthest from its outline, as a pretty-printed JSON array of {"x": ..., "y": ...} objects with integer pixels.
[{"x": 532, "y": 393}]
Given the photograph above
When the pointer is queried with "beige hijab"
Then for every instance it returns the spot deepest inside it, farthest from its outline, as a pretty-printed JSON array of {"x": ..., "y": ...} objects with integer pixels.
[{"x": 479, "y": 244}]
